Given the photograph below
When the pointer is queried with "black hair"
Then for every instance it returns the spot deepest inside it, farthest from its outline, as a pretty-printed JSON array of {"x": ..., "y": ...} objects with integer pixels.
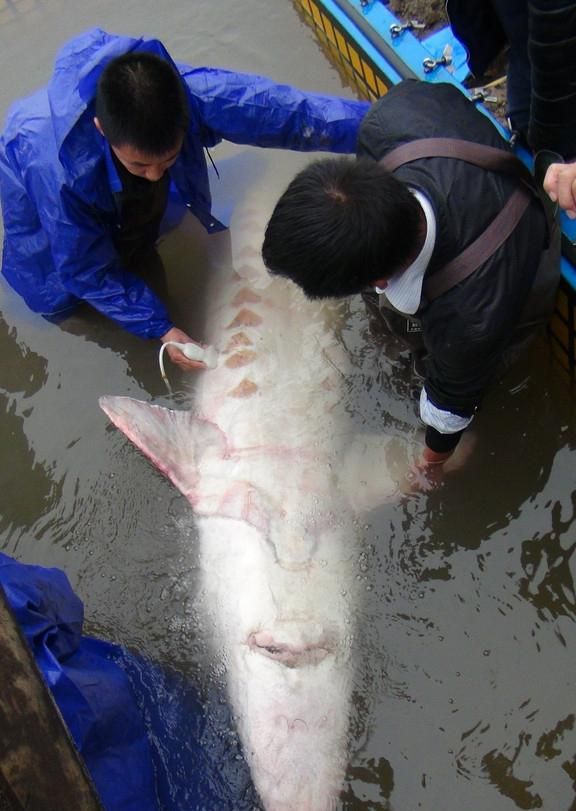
[
  {"x": 340, "y": 225},
  {"x": 141, "y": 102}
]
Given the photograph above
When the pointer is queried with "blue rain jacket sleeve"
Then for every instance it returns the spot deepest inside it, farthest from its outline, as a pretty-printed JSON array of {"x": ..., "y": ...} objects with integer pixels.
[{"x": 250, "y": 109}]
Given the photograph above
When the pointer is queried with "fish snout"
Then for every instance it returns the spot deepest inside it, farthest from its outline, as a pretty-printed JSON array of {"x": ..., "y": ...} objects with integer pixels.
[{"x": 291, "y": 649}]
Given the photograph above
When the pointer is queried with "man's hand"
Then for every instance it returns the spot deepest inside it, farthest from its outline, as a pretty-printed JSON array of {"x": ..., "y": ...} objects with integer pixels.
[
  {"x": 560, "y": 186},
  {"x": 175, "y": 354},
  {"x": 432, "y": 458},
  {"x": 433, "y": 469},
  {"x": 427, "y": 473}
]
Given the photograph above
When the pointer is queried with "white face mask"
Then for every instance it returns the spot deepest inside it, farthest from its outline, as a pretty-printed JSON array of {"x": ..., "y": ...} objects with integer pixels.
[{"x": 379, "y": 290}]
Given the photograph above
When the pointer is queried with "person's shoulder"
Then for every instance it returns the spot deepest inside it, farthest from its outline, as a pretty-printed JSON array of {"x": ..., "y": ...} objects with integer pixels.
[
  {"x": 85, "y": 49},
  {"x": 410, "y": 110},
  {"x": 28, "y": 118},
  {"x": 416, "y": 87},
  {"x": 418, "y": 99}
]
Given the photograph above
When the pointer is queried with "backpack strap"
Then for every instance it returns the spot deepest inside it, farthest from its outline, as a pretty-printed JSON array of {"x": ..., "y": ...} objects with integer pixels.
[
  {"x": 481, "y": 249},
  {"x": 486, "y": 157},
  {"x": 487, "y": 243}
]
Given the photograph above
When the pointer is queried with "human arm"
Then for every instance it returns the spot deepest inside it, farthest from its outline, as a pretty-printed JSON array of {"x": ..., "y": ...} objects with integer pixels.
[
  {"x": 442, "y": 436},
  {"x": 444, "y": 429},
  {"x": 476, "y": 327},
  {"x": 90, "y": 269},
  {"x": 560, "y": 186},
  {"x": 460, "y": 365},
  {"x": 84, "y": 261},
  {"x": 251, "y": 109},
  {"x": 59, "y": 248}
]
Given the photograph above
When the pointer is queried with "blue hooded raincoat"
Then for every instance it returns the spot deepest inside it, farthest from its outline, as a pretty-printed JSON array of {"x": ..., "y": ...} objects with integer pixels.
[{"x": 57, "y": 179}]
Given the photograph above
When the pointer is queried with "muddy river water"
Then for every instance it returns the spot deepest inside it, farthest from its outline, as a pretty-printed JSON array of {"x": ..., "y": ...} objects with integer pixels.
[{"x": 466, "y": 697}]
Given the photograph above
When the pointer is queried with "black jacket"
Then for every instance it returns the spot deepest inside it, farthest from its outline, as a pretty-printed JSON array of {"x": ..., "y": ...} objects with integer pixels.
[{"x": 467, "y": 329}]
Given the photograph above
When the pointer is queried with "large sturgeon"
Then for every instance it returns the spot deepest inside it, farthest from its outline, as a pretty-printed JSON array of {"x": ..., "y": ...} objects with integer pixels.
[{"x": 267, "y": 461}]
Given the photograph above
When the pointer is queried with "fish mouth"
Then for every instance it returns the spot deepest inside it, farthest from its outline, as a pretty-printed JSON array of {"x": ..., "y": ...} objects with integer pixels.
[{"x": 299, "y": 653}]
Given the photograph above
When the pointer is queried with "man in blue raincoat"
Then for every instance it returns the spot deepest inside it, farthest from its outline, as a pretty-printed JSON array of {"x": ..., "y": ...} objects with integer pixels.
[{"x": 87, "y": 163}]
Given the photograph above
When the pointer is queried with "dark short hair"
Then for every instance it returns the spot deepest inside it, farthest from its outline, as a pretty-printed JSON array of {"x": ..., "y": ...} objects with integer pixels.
[
  {"x": 141, "y": 102},
  {"x": 340, "y": 225}
]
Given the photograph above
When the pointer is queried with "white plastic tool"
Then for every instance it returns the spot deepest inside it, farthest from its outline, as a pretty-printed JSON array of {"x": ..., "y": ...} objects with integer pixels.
[{"x": 206, "y": 354}]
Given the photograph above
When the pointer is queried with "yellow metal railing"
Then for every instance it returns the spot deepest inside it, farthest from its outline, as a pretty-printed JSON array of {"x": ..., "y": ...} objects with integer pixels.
[{"x": 366, "y": 78}]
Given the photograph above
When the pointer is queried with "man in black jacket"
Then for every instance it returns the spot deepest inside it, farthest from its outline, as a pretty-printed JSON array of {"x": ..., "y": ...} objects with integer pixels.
[{"x": 342, "y": 227}]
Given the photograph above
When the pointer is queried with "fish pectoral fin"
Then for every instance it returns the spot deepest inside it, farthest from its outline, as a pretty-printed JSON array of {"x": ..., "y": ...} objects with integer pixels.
[
  {"x": 373, "y": 468},
  {"x": 174, "y": 441}
]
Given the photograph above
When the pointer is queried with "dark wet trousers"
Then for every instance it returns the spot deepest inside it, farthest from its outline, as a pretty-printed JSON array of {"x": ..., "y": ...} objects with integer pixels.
[{"x": 513, "y": 17}]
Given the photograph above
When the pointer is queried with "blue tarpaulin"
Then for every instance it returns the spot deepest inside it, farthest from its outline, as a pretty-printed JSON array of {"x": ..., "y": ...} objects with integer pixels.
[{"x": 148, "y": 741}]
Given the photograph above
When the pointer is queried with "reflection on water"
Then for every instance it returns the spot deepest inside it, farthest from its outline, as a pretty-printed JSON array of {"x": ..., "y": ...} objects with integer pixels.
[
  {"x": 471, "y": 614},
  {"x": 17, "y": 503},
  {"x": 465, "y": 685}
]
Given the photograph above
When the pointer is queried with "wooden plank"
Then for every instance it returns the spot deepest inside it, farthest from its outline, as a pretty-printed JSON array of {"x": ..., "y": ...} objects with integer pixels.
[{"x": 40, "y": 769}]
